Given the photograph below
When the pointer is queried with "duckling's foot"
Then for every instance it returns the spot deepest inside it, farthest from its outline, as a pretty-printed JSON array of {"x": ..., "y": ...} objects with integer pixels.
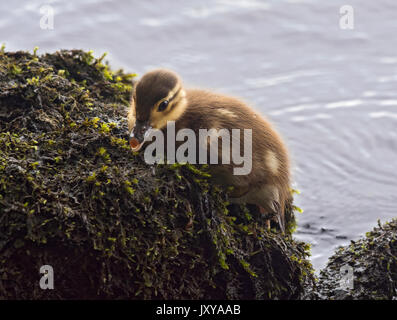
[
  {"x": 280, "y": 219},
  {"x": 272, "y": 216},
  {"x": 189, "y": 225},
  {"x": 263, "y": 211}
]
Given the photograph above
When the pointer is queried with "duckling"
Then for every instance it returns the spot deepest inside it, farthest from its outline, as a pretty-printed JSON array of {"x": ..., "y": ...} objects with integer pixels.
[{"x": 160, "y": 97}]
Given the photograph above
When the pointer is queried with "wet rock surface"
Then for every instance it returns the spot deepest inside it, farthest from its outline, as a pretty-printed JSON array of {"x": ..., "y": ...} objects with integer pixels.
[
  {"x": 366, "y": 269},
  {"x": 74, "y": 196}
]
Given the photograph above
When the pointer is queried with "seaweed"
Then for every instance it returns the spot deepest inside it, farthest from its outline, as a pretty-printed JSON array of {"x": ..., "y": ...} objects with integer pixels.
[
  {"x": 373, "y": 261},
  {"x": 73, "y": 196}
]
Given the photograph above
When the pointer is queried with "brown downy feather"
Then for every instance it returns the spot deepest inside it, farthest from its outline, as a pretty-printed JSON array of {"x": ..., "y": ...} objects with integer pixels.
[{"x": 268, "y": 183}]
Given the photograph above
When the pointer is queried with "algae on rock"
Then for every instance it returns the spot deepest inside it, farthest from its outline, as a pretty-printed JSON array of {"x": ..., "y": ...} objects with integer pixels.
[
  {"x": 73, "y": 196},
  {"x": 373, "y": 261}
]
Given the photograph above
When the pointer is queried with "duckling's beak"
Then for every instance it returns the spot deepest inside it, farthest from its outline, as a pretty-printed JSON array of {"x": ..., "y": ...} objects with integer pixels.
[{"x": 139, "y": 135}]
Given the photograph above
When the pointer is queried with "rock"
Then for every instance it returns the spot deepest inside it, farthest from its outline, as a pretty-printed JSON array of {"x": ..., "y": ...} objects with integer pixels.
[
  {"x": 372, "y": 262},
  {"x": 73, "y": 196}
]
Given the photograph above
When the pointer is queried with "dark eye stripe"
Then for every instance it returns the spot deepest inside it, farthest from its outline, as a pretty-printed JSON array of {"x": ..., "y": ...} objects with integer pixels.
[
  {"x": 169, "y": 100},
  {"x": 175, "y": 95}
]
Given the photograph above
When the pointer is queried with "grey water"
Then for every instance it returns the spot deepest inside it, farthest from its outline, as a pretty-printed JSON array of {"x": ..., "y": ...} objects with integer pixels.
[{"x": 331, "y": 92}]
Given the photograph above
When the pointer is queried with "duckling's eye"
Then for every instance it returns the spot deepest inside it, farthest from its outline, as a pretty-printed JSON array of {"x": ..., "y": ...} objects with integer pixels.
[{"x": 163, "y": 105}]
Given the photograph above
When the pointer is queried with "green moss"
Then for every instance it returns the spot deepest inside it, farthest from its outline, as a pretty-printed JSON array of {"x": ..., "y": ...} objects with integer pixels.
[
  {"x": 374, "y": 264},
  {"x": 74, "y": 196}
]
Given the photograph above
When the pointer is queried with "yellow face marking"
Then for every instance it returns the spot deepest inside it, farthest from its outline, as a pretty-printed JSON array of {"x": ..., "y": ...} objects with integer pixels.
[
  {"x": 158, "y": 119},
  {"x": 168, "y": 97}
]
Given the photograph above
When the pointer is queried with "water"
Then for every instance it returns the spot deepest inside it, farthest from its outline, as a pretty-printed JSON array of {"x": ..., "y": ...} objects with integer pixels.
[{"x": 331, "y": 92}]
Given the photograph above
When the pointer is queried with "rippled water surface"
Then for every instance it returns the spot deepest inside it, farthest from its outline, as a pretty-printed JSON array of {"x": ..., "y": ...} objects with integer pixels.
[{"x": 331, "y": 92}]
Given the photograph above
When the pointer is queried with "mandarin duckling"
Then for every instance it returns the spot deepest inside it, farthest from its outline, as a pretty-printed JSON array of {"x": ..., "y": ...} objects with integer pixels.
[{"x": 159, "y": 98}]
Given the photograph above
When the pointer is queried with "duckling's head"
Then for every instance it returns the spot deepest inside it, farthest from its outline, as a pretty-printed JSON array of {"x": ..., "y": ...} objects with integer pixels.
[{"x": 158, "y": 97}]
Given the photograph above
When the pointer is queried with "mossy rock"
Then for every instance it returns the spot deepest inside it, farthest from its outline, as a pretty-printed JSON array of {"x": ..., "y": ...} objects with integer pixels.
[
  {"x": 73, "y": 196},
  {"x": 373, "y": 262}
]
